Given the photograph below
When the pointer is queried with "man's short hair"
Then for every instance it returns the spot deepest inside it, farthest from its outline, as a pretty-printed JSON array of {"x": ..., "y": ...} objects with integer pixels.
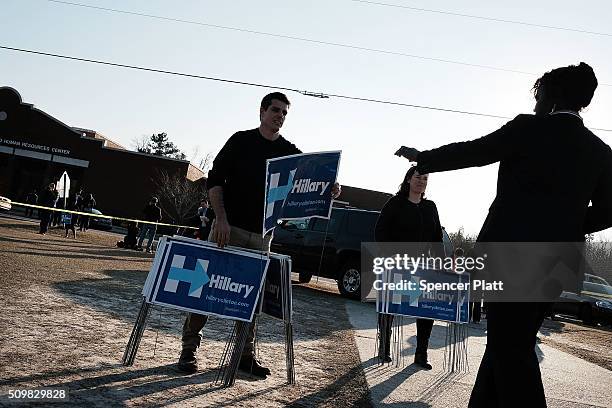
[{"x": 279, "y": 96}]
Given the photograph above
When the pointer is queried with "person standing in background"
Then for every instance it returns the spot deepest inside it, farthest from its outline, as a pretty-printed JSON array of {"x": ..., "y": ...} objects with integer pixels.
[
  {"x": 48, "y": 198},
  {"x": 89, "y": 203},
  {"x": 151, "y": 213}
]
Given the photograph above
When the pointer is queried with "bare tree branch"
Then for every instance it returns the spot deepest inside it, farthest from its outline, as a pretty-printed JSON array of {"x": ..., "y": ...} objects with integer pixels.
[
  {"x": 203, "y": 162},
  {"x": 179, "y": 197},
  {"x": 142, "y": 144}
]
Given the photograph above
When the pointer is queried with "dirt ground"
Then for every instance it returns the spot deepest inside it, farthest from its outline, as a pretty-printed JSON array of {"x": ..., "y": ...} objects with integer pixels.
[
  {"x": 592, "y": 344},
  {"x": 69, "y": 307}
]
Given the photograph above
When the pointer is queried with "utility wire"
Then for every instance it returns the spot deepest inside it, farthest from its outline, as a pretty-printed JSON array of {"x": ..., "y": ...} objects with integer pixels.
[
  {"x": 307, "y": 93},
  {"x": 161, "y": 71},
  {"x": 498, "y": 20},
  {"x": 295, "y": 38}
]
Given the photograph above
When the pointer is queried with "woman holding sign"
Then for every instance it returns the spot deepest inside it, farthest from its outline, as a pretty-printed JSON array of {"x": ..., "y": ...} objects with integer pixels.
[{"x": 408, "y": 217}]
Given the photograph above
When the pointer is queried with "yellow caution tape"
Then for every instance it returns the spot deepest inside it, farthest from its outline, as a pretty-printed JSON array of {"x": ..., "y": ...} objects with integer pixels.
[{"x": 40, "y": 207}]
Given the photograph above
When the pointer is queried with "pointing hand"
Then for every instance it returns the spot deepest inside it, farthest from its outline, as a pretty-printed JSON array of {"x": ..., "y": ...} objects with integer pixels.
[{"x": 409, "y": 153}]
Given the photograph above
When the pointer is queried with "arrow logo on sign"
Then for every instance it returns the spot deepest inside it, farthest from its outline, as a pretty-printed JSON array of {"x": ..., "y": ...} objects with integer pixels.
[
  {"x": 276, "y": 192},
  {"x": 196, "y": 278},
  {"x": 414, "y": 294}
]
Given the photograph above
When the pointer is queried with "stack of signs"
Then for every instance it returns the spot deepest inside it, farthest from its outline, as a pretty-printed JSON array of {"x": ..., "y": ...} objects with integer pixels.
[
  {"x": 277, "y": 303},
  {"x": 409, "y": 299},
  {"x": 299, "y": 186},
  {"x": 277, "y": 298},
  {"x": 197, "y": 276}
]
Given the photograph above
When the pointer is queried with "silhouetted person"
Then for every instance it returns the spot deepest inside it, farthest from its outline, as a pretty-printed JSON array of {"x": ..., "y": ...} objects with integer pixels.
[
  {"x": 551, "y": 167},
  {"x": 69, "y": 218},
  {"x": 56, "y": 216},
  {"x": 48, "y": 198},
  {"x": 78, "y": 202},
  {"x": 89, "y": 203},
  {"x": 32, "y": 198},
  {"x": 130, "y": 240},
  {"x": 204, "y": 215},
  {"x": 151, "y": 213}
]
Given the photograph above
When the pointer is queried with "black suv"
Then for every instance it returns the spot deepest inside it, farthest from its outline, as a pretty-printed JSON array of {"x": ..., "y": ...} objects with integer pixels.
[
  {"x": 328, "y": 248},
  {"x": 332, "y": 248}
]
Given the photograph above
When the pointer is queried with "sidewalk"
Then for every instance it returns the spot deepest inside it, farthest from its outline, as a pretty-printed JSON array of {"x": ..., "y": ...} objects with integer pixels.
[{"x": 568, "y": 380}]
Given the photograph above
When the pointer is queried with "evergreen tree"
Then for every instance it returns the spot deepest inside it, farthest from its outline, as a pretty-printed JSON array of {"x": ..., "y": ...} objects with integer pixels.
[{"x": 160, "y": 145}]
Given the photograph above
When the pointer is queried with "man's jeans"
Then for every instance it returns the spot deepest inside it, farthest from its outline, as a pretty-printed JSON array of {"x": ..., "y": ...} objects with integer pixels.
[
  {"x": 194, "y": 323},
  {"x": 149, "y": 231}
]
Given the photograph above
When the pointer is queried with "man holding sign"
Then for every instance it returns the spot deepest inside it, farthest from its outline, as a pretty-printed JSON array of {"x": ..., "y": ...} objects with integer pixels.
[{"x": 236, "y": 188}]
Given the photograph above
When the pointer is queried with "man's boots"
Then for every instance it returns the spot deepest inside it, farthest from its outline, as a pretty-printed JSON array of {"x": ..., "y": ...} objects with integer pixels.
[{"x": 188, "y": 363}]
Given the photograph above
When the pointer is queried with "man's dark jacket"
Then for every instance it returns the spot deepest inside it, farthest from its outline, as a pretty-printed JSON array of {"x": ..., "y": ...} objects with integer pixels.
[{"x": 152, "y": 213}]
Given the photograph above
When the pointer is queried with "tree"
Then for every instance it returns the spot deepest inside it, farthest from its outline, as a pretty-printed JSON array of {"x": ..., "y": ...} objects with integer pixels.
[
  {"x": 141, "y": 144},
  {"x": 203, "y": 162},
  {"x": 160, "y": 145},
  {"x": 461, "y": 240},
  {"x": 598, "y": 255},
  {"x": 179, "y": 197}
]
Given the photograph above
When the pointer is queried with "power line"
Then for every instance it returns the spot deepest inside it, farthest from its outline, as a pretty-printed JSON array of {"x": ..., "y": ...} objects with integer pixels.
[
  {"x": 307, "y": 93},
  {"x": 295, "y": 38},
  {"x": 498, "y": 20},
  {"x": 161, "y": 71}
]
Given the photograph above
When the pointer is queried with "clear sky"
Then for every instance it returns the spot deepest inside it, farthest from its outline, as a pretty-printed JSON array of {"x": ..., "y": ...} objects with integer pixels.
[{"x": 125, "y": 104}]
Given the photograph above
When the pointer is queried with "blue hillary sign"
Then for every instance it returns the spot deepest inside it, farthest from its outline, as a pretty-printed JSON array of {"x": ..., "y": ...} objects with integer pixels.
[
  {"x": 201, "y": 278},
  {"x": 299, "y": 186},
  {"x": 426, "y": 293}
]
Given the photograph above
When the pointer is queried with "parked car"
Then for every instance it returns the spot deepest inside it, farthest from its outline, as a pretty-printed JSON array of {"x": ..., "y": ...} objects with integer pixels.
[
  {"x": 101, "y": 223},
  {"x": 592, "y": 306},
  {"x": 5, "y": 204},
  {"x": 330, "y": 248}
]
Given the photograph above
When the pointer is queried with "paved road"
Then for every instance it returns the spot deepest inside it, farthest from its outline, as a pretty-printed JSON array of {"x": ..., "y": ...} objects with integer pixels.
[{"x": 568, "y": 380}]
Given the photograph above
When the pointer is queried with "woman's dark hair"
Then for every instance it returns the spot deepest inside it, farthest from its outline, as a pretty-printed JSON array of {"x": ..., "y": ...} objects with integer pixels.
[
  {"x": 570, "y": 87},
  {"x": 404, "y": 188}
]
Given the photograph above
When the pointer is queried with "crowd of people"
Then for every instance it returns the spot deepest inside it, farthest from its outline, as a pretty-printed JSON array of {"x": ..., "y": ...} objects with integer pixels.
[
  {"x": 49, "y": 197},
  {"x": 85, "y": 203}
]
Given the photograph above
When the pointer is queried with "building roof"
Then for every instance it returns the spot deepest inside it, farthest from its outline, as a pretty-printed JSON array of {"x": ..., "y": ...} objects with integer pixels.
[{"x": 94, "y": 134}]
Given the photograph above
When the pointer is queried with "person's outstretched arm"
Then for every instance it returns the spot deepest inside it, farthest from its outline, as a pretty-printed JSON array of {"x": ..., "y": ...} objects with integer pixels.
[{"x": 488, "y": 149}]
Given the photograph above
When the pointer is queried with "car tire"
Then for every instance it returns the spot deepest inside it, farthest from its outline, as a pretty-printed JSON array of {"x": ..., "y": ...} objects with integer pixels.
[
  {"x": 586, "y": 315},
  {"x": 305, "y": 277},
  {"x": 349, "y": 280}
]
